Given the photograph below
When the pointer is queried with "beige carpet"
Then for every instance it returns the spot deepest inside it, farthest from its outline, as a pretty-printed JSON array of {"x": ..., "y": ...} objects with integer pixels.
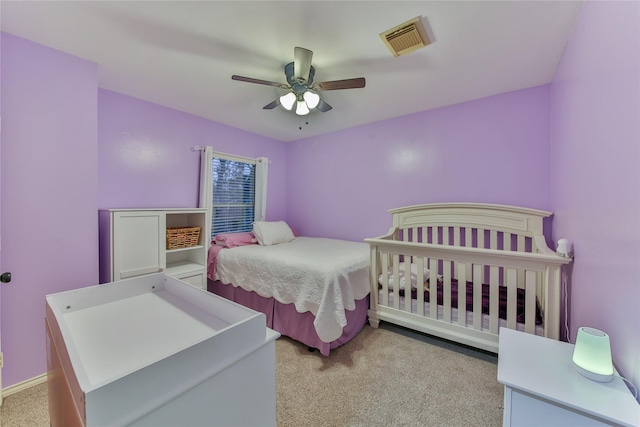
[{"x": 384, "y": 377}]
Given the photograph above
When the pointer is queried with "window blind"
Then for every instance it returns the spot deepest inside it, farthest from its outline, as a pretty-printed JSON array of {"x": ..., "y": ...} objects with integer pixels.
[{"x": 234, "y": 184}]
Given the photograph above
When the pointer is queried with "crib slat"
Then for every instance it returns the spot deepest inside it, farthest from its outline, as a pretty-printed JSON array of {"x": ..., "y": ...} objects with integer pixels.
[
  {"x": 493, "y": 239},
  {"x": 521, "y": 248},
  {"x": 477, "y": 296},
  {"x": 530, "y": 302},
  {"x": 480, "y": 244},
  {"x": 415, "y": 237},
  {"x": 494, "y": 299},
  {"x": 433, "y": 295},
  {"x": 456, "y": 243},
  {"x": 462, "y": 294},
  {"x": 446, "y": 291},
  {"x": 408, "y": 283},
  {"x": 406, "y": 237},
  {"x": 540, "y": 291},
  {"x": 468, "y": 242},
  {"x": 385, "y": 279},
  {"x": 420, "y": 298},
  {"x": 396, "y": 280},
  {"x": 445, "y": 235},
  {"x": 512, "y": 298},
  {"x": 506, "y": 241}
]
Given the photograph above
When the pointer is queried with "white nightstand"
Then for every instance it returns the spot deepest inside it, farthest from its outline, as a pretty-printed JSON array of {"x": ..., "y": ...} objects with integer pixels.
[{"x": 543, "y": 388}]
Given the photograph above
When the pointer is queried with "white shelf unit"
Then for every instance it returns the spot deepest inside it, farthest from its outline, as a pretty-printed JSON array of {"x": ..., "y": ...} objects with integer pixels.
[
  {"x": 133, "y": 243},
  {"x": 188, "y": 264}
]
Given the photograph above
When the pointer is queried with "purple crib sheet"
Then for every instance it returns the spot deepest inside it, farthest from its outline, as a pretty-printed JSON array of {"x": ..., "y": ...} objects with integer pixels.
[{"x": 502, "y": 296}]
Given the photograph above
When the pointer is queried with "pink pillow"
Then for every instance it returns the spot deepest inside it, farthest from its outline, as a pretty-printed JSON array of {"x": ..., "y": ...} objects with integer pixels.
[{"x": 231, "y": 240}]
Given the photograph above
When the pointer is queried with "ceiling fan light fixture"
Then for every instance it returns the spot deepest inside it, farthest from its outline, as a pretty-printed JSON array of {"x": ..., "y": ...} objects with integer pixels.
[
  {"x": 302, "y": 109},
  {"x": 301, "y": 89},
  {"x": 312, "y": 99},
  {"x": 288, "y": 100}
]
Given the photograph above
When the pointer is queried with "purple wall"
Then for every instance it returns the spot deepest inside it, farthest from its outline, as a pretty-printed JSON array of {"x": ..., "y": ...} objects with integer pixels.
[
  {"x": 595, "y": 129},
  {"x": 1, "y": 269},
  {"x": 73, "y": 148},
  {"x": 70, "y": 149},
  {"x": 49, "y": 192},
  {"x": 494, "y": 150},
  {"x": 145, "y": 158}
]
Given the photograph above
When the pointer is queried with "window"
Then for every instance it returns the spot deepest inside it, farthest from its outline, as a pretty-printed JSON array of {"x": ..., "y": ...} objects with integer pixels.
[
  {"x": 234, "y": 191},
  {"x": 234, "y": 196}
]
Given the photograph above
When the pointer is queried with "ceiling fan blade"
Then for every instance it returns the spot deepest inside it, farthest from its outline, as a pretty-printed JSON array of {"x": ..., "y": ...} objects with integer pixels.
[
  {"x": 323, "y": 106},
  {"x": 272, "y": 105},
  {"x": 301, "y": 63},
  {"x": 341, "y": 84},
  {"x": 258, "y": 81}
]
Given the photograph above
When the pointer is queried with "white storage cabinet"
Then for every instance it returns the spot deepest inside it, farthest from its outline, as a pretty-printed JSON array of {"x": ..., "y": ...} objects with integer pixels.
[
  {"x": 133, "y": 243},
  {"x": 155, "y": 351}
]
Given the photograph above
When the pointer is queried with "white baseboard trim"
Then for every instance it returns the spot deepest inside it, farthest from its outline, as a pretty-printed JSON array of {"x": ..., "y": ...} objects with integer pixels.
[{"x": 16, "y": 388}]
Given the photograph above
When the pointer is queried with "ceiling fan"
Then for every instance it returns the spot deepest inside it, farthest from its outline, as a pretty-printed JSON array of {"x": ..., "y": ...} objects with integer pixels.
[{"x": 302, "y": 90}]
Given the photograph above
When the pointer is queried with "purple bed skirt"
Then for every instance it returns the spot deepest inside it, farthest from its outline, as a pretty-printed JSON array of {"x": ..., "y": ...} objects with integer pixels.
[{"x": 285, "y": 319}]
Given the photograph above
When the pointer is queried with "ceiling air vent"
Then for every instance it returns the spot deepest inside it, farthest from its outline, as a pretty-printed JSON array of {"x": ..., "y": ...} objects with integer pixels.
[{"x": 406, "y": 38}]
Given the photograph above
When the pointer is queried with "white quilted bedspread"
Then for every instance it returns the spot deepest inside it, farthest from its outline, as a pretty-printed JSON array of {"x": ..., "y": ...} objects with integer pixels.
[{"x": 323, "y": 276}]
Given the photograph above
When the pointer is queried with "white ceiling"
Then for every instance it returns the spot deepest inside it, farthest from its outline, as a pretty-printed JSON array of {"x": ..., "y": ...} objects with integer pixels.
[{"x": 182, "y": 54}]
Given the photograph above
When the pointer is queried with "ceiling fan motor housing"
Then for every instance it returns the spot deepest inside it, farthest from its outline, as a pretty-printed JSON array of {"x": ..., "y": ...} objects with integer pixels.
[{"x": 299, "y": 86}]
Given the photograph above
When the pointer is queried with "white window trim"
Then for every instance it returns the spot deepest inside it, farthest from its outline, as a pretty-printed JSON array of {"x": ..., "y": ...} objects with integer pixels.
[{"x": 206, "y": 185}]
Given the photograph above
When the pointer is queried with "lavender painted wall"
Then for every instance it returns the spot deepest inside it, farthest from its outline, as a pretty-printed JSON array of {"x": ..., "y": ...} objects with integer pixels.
[
  {"x": 1, "y": 270},
  {"x": 97, "y": 148},
  {"x": 595, "y": 129},
  {"x": 494, "y": 150},
  {"x": 146, "y": 161},
  {"x": 56, "y": 125},
  {"x": 49, "y": 192}
]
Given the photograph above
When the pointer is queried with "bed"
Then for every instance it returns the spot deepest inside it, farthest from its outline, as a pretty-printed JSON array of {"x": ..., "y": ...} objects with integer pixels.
[
  {"x": 460, "y": 271},
  {"x": 314, "y": 290}
]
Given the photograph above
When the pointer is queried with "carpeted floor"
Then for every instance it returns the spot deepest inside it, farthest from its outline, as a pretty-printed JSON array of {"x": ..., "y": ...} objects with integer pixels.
[
  {"x": 384, "y": 377},
  {"x": 27, "y": 408}
]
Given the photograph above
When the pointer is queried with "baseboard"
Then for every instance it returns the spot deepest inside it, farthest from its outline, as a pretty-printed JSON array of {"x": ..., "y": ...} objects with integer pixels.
[{"x": 16, "y": 388}]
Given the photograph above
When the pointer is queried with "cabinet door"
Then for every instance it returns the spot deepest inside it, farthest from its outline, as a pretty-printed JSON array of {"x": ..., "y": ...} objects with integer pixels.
[{"x": 139, "y": 241}]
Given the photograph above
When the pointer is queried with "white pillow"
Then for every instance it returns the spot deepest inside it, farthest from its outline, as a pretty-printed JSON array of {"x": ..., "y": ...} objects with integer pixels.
[
  {"x": 413, "y": 279},
  {"x": 272, "y": 233}
]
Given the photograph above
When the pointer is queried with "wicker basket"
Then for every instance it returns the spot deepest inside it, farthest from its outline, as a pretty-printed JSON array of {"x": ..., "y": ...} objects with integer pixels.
[{"x": 182, "y": 237}]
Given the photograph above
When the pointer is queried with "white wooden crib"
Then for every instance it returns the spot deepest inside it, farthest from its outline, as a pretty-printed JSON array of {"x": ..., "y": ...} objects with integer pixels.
[{"x": 491, "y": 258}]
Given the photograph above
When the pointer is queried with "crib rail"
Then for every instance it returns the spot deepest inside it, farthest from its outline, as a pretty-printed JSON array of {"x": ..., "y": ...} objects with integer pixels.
[{"x": 520, "y": 264}]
